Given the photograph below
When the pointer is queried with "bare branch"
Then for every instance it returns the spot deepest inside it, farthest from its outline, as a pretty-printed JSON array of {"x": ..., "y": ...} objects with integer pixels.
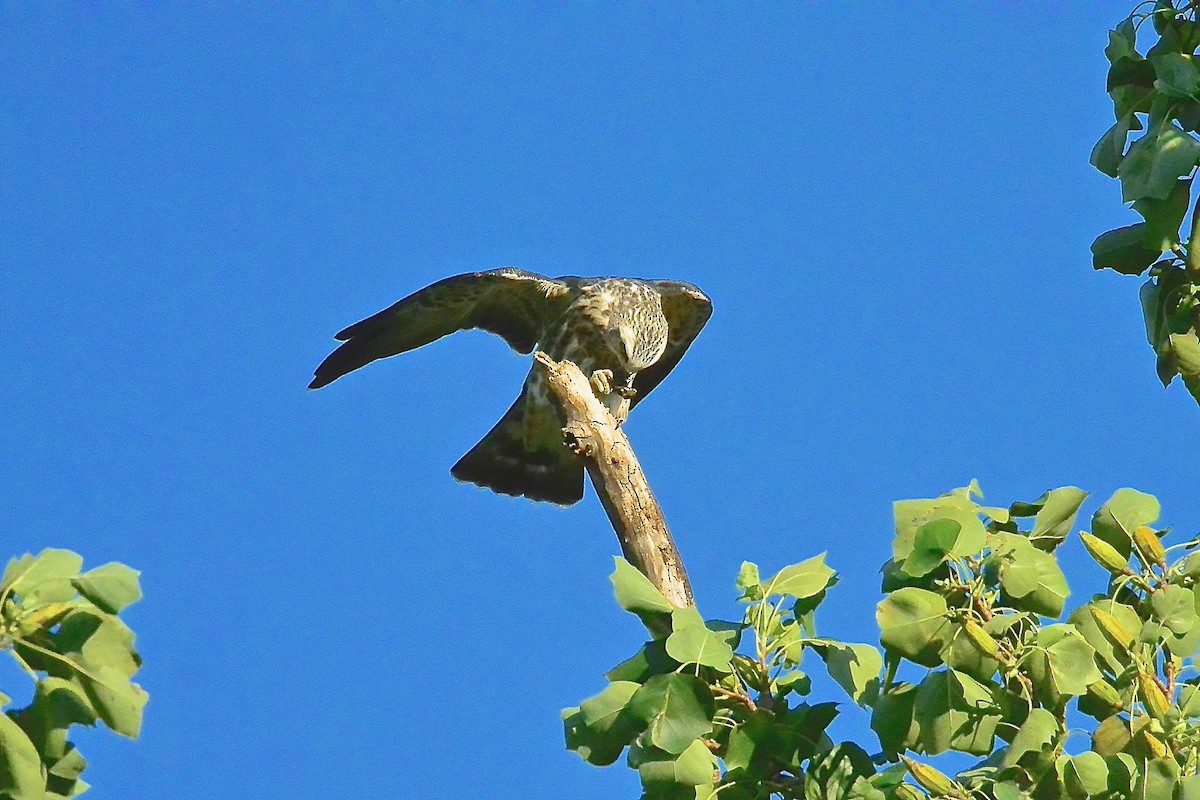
[{"x": 619, "y": 481}]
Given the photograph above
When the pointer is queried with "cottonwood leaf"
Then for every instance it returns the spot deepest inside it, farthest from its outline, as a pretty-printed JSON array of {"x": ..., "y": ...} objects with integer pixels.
[
  {"x": 1156, "y": 161},
  {"x": 47, "y": 579},
  {"x": 676, "y": 709},
  {"x": 1177, "y": 74},
  {"x": 21, "y": 775},
  {"x": 1163, "y": 217},
  {"x": 1054, "y": 515},
  {"x": 855, "y": 667},
  {"x": 806, "y": 579},
  {"x": 932, "y": 544},
  {"x": 1124, "y": 250},
  {"x": 1121, "y": 514},
  {"x": 693, "y": 767},
  {"x": 913, "y": 624},
  {"x": 111, "y": 587},
  {"x": 1186, "y": 347},
  {"x": 692, "y": 642},
  {"x": 635, "y": 593}
]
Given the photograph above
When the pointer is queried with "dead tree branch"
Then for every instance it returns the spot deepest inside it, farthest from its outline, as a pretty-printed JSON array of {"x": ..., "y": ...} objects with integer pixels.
[{"x": 619, "y": 481}]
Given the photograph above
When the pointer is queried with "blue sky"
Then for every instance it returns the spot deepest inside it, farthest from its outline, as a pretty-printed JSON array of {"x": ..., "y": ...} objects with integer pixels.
[{"x": 890, "y": 206}]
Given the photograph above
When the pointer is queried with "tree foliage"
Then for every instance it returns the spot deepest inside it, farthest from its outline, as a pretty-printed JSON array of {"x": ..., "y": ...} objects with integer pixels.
[
  {"x": 979, "y": 655},
  {"x": 62, "y": 626},
  {"x": 1156, "y": 100}
]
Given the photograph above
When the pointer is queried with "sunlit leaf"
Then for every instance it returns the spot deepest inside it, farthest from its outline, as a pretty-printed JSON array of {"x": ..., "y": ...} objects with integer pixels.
[
  {"x": 691, "y": 641},
  {"x": 676, "y": 710},
  {"x": 1156, "y": 161},
  {"x": 913, "y": 624},
  {"x": 111, "y": 587}
]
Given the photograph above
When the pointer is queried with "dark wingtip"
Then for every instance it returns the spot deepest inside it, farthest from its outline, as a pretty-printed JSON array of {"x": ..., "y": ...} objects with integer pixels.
[{"x": 486, "y": 468}]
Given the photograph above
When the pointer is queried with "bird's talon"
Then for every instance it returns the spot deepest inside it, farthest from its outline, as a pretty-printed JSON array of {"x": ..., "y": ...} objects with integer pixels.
[{"x": 602, "y": 382}]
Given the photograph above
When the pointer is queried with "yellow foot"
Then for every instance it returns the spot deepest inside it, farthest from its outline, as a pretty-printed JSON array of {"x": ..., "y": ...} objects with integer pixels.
[{"x": 602, "y": 382}]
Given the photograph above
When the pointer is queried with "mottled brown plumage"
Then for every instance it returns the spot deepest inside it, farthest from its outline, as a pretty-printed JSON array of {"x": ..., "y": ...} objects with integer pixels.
[{"x": 635, "y": 328}]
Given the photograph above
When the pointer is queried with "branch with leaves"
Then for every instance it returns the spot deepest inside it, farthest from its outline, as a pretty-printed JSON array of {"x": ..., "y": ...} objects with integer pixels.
[
  {"x": 62, "y": 627},
  {"x": 978, "y": 656},
  {"x": 1159, "y": 93}
]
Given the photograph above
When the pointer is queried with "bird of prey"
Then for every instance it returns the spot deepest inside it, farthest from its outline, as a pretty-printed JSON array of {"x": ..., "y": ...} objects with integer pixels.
[{"x": 615, "y": 329}]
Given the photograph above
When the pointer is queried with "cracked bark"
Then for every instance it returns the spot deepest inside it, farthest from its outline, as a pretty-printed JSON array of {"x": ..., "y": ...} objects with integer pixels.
[{"x": 636, "y": 517}]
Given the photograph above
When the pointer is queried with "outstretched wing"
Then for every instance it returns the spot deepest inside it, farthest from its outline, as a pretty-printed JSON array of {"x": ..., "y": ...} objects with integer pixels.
[
  {"x": 686, "y": 309},
  {"x": 511, "y": 303}
]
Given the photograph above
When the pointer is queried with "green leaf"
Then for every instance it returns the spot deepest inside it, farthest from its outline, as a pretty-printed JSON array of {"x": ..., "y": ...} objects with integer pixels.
[
  {"x": 600, "y": 728},
  {"x": 1030, "y": 577},
  {"x": 636, "y": 594},
  {"x": 748, "y": 582},
  {"x": 1158, "y": 331},
  {"x": 913, "y": 624},
  {"x": 806, "y": 579},
  {"x": 597, "y": 747},
  {"x": 892, "y": 718},
  {"x": 47, "y": 579},
  {"x": 651, "y": 659},
  {"x": 691, "y": 642},
  {"x": 1177, "y": 74},
  {"x": 1110, "y": 149},
  {"x": 831, "y": 775},
  {"x": 754, "y": 743},
  {"x": 965, "y": 656},
  {"x": 947, "y": 719},
  {"x": 1007, "y": 790},
  {"x": 1186, "y": 347},
  {"x": 1069, "y": 658},
  {"x": 910, "y": 515},
  {"x": 1123, "y": 250},
  {"x": 1163, "y": 217},
  {"x": 807, "y": 725},
  {"x": 1156, "y": 161},
  {"x": 676, "y": 708},
  {"x": 111, "y": 587},
  {"x": 693, "y": 767},
  {"x": 118, "y": 702},
  {"x": 1175, "y": 607},
  {"x": 1111, "y": 736},
  {"x": 1175, "y": 622},
  {"x": 1037, "y": 733},
  {"x": 855, "y": 667},
  {"x": 600, "y": 712},
  {"x": 1121, "y": 43},
  {"x": 100, "y": 650},
  {"x": 1087, "y": 774},
  {"x": 16, "y": 568},
  {"x": 1121, "y": 514},
  {"x": 1158, "y": 779},
  {"x": 1189, "y": 788},
  {"x": 21, "y": 776},
  {"x": 1054, "y": 514},
  {"x": 932, "y": 544}
]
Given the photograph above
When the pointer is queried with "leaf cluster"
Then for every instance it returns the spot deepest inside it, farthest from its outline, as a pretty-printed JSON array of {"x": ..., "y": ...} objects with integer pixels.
[
  {"x": 711, "y": 707},
  {"x": 1157, "y": 93},
  {"x": 974, "y": 617},
  {"x": 62, "y": 626}
]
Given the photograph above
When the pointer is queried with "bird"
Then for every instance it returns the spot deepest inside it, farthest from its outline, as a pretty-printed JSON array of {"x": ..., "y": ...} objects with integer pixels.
[{"x": 626, "y": 333}]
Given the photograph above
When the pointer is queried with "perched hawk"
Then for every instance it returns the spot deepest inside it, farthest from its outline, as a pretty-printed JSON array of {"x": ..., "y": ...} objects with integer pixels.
[{"x": 629, "y": 327}]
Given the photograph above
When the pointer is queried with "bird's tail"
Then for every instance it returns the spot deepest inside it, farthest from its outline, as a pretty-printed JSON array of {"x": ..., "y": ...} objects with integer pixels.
[{"x": 524, "y": 455}]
